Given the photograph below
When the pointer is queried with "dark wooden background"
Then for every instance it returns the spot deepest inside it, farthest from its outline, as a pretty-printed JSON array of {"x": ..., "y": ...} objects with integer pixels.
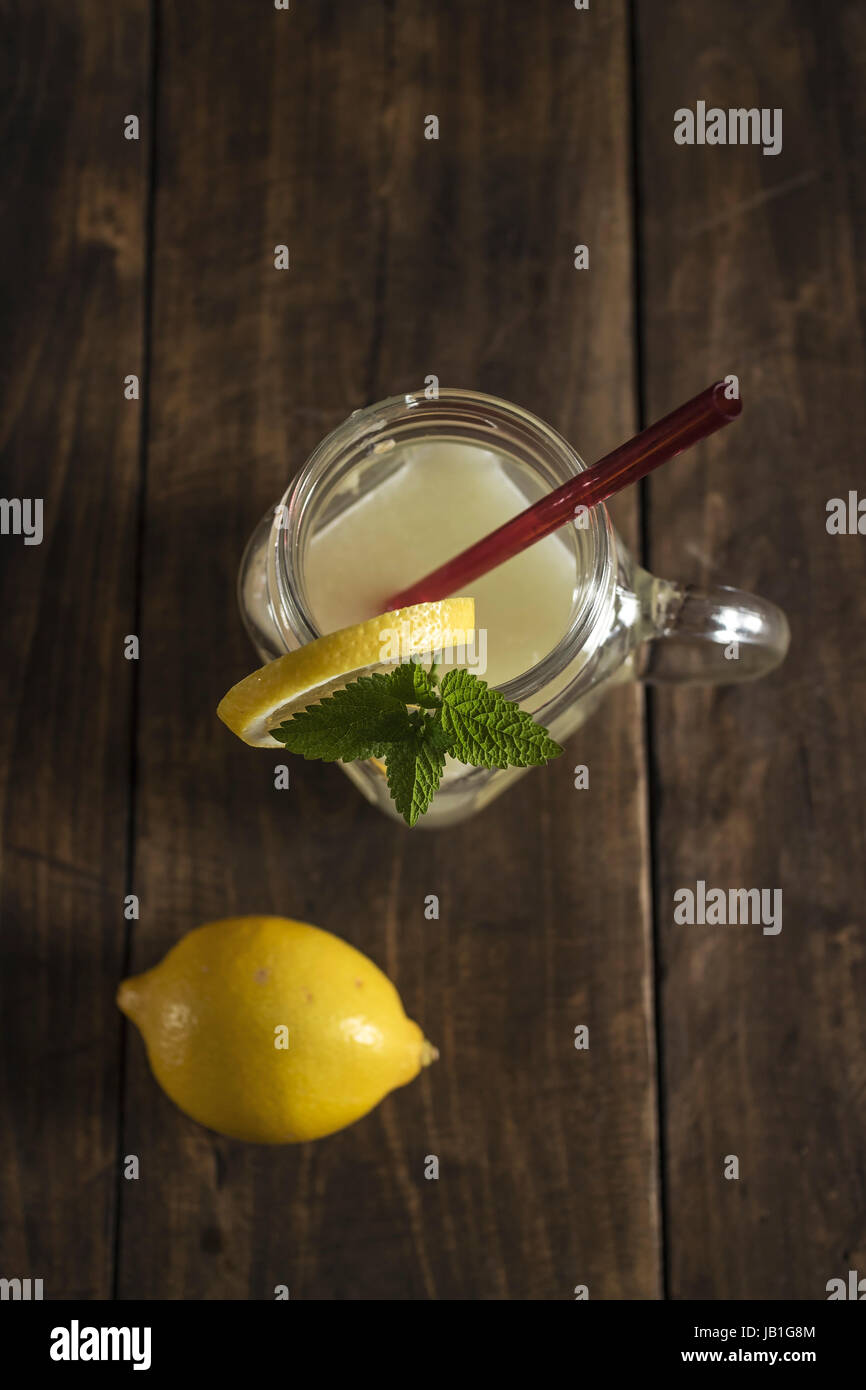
[{"x": 411, "y": 257}]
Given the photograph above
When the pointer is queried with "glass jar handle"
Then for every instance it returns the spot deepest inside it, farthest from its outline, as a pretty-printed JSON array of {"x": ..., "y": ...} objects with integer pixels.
[{"x": 710, "y": 636}]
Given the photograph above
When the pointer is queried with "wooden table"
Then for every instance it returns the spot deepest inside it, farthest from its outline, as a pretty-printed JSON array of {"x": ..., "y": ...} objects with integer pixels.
[{"x": 454, "y": 257}]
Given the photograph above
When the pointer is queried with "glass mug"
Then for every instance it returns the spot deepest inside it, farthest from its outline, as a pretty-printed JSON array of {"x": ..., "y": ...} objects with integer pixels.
[{"x": 624, "y": 623}]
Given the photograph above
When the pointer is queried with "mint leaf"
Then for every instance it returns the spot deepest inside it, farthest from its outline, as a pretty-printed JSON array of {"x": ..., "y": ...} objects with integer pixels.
[
  {"x": 358, "y": 721},
  {"x": 415, "y": 768},
  {"x": 435, "y": 735},
  {"x": 486, "y": 730},
  {"x": 414, "y": 686}
]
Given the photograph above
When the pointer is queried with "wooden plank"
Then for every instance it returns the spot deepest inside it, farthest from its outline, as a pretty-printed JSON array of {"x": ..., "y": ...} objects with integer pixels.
[
  {"x": 72, "y": 248},
  {"x": 751, "y": 267},
  {"x": 408, "y": 257}
]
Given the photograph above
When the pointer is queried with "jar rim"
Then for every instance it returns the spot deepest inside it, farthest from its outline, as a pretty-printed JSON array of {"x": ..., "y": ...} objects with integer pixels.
[{"x": 463, "y": 412}]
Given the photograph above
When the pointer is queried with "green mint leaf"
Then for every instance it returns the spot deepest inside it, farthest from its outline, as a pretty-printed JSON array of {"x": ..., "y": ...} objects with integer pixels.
[
  {"x": 486, "y": 730},
  {"x": 415, "y": 768},
  {"x": 358, "y": 721},
  {"x": 435, "y": 735},
  {"x": 413, "y": 685}
]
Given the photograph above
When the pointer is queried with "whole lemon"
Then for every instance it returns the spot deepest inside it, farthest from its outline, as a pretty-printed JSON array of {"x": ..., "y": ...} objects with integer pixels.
[{"x": 271, "y": 1030}]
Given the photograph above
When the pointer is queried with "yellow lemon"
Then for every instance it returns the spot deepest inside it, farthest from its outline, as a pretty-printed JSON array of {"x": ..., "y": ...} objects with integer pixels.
[
  {"x": 277, "y": 691},
  {"x": 273, "y": 1031}
]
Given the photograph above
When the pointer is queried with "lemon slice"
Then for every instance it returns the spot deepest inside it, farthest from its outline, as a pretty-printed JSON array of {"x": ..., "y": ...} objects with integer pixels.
[{"x": 262, "y": 700}]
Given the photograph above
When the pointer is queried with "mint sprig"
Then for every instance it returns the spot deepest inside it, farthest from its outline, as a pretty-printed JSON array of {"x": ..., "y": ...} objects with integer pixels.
[{"x": 414, "y": 721}]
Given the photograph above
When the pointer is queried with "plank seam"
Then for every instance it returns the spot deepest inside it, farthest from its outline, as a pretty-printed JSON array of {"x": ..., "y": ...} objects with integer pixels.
[
  {"x": 648, "y": 703},
  {"x": 149, "y": 223},
  {"x": 373, "y": 390}
]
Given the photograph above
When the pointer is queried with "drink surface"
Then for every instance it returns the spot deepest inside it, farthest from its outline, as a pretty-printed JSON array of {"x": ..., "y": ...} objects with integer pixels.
[{"x": 436, "y": 499}]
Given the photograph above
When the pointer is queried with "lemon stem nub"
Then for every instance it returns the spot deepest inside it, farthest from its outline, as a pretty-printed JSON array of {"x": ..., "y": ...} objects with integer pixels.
[{"x": 429, "y": 1053}]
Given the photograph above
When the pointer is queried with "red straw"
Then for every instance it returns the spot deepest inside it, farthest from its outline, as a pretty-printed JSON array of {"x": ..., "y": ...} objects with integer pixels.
[{"x": 690, "y": 423}]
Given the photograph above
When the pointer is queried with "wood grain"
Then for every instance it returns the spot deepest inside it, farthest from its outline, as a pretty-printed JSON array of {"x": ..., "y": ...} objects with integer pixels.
[
  {"x": 751, "y": 266},
  {"x": 408, "y": 257},
  {"x": 72, "y": 251}
]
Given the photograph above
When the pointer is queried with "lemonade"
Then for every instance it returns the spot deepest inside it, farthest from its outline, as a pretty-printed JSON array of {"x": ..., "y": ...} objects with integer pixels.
[{"x": 437, "y": 498}]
